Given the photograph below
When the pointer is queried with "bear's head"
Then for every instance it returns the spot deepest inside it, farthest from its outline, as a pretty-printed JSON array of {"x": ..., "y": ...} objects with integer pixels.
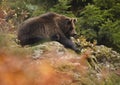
[{"x": 68, "y": 26}]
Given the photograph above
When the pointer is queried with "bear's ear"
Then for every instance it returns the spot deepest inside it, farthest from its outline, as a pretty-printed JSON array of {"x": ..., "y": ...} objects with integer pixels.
[{"x": 74, "y": 20}]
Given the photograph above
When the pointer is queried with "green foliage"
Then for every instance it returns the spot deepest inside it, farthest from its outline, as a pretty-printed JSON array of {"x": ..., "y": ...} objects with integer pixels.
[
  {"x": 38, "y": 11},
  {"x": 104, "y": 33},
  {"x": 17, "y": 5},
  {"x": 110, "y": 34},
  {"x": 101, "y": 22},
  {"x": 90, "y": 34},
  {"x": 78, "y": 5},
  {"x": 115, "y": 12},
  {"x": 62, "y": 8},
  {"x": 46, "y": 4},
  {"x": 62, "y": 5},
  {"x": 104, "y": 4},
  {"x": 90, "y": 20}
]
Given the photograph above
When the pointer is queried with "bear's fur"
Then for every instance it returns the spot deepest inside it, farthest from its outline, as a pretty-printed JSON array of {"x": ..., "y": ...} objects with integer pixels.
[{"x": 49, "y": 26}]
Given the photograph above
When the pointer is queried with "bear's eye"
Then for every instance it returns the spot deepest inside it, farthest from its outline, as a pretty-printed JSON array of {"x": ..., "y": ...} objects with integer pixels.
[{"x": 70, "y": 29}]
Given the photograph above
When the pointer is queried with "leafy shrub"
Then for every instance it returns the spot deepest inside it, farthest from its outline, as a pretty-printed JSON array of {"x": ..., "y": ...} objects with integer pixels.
[
  {"x": 110, "y": 34},
  {"x": 90, "y": 20},
  {"x": 62, "y": 8}
]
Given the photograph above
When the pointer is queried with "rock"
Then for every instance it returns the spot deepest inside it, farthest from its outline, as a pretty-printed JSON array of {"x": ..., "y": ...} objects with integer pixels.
[{"x": 48, "y": 47}]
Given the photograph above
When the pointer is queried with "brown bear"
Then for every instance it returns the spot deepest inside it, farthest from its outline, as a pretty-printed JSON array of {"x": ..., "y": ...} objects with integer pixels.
[{"x": 49, "y": 26}]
